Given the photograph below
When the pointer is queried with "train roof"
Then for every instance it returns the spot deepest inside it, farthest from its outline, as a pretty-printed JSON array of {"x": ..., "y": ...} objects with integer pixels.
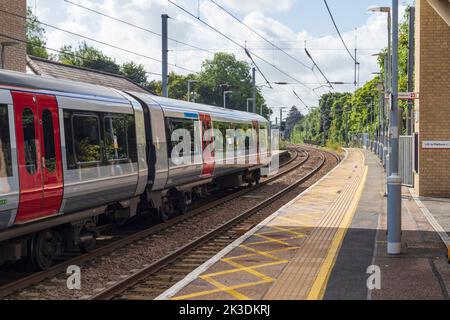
[
  {"x": 186, "y": 106},
  {"x": 12, "y": 79},
  {"x": 57, "y": 86}
]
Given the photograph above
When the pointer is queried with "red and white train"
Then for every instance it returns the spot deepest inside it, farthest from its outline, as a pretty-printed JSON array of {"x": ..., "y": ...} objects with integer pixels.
[{"x": 72, "y": 154}]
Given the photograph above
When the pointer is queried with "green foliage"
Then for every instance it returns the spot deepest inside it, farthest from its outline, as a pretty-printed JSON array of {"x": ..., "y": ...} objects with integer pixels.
[
  {"x": 35, "y": 37},
  {"x": 88, "y": 57},
  {"x": 293, "y": 117},
  {"x": 283, "y": 145},
  {"x": 134, "y": 72},
  {"x": 335, "y": 146},
  {"x": 225, "y": 73}
]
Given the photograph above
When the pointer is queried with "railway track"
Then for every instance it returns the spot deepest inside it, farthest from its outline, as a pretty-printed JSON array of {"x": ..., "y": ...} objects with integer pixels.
[
  {"x": 299, "y": 157},
  {"x": 155, "y": 278}
]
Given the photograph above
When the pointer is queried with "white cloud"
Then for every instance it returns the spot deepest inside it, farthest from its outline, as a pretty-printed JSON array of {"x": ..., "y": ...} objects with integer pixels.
[
  {"x": 327, "y": 51},
  {"x": 257, "y": 5}
]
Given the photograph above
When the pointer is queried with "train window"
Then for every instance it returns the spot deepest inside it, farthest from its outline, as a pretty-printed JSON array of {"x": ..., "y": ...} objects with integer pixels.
[
  {"x": 116, "y": 140},
  {"x": 29, "y": 136},
  {"x": 5, "y": 143},
  {"x": 190, "y": 126},
  {"x": 86, "y": 138},
  {"x": 263, "y": 136},
  {"x": 49, "y": 141}
]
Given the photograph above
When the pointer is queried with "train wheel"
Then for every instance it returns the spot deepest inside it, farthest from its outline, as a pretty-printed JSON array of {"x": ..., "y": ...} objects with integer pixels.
[
  {"x": 88, "y": 245},
  {"x": 163, "y": 215},
  {"x": 43, "y": 248}
]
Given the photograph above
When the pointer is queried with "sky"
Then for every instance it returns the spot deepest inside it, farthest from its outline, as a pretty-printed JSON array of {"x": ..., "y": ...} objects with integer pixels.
[{"x": 289, "y": 24}]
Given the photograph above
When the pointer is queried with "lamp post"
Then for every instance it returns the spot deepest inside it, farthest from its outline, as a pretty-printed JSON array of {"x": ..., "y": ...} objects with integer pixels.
[
  {"x": 394, "y": 180},
  {"x": 389, "y": 21},
  {"x": 248, "y": 100},
  {"x": 189, "y": 90},
  {"x": 225, "y": 98},
  {"x": 388, "y": 80},
  {"x": 3, "y": 50},
  {"x": 394, "y": 219}
]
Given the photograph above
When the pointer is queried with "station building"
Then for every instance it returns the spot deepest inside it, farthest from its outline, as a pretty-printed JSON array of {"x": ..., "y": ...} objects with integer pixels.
[{"x": 432, "y": 111}]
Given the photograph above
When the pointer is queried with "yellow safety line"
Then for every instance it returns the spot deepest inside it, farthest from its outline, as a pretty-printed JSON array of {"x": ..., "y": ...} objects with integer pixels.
[
  {"x": 226, "y": 289},
  {"x": 249, "y": 269},
  {"x": 270, "y": 240},
  {"x": 318, "y": 288},
  {"x": 255, "y": 254},
  {"x": 243, "y": 269},
  {"x": 204, "y": 293},
  {"x": 262, "y": 253},
  {"x": 283, "y": 229},
  {"x": 280, "y": 241},
  {"x": 295, "y": 221}
]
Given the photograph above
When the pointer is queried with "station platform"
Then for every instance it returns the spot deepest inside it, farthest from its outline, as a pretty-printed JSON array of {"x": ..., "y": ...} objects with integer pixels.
[{"x": 322, "y": 244}]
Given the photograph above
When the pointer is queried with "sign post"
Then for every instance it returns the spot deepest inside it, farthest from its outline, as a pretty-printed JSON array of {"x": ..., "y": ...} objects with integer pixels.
[{"x": 408, "y": 95}]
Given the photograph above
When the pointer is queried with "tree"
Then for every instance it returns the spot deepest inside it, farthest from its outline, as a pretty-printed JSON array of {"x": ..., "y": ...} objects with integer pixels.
[
  {"x": 134, "y": 72},
  {"x": 36, "y": 40},
  {"x": 88, "y": 57},
  {"x": 292, "y": 119},
  {"x": 225, "y": 72}
]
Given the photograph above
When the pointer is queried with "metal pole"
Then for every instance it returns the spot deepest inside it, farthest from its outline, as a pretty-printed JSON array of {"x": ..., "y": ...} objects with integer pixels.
[
  {"x": 189, "y": 91},
  {"x": 385, "y": 141},
  {"x": 281, "y": 117},
  {"x": 409, "y": 118},
  {"x": 164, "y": 18},
  {"x": 389, "y": 88},
  {"x": 394, "y": 209},
  {"x": 346, "y": 127},
  {"x": 254, "y": 89},
  {"x": 224, "y": 99}
]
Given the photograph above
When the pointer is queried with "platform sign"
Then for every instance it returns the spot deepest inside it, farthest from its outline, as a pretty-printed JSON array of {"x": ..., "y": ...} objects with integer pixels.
[
  {"x": 408, "y": 95},
  {"x": 435, "y": 144}
]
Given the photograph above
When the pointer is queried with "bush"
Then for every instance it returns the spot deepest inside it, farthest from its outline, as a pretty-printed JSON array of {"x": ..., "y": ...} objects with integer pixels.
[{"x": 335, "y": 146}]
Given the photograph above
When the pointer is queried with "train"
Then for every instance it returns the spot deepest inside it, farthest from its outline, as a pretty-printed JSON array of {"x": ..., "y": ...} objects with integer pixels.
[{"x": 73, "y": 155}]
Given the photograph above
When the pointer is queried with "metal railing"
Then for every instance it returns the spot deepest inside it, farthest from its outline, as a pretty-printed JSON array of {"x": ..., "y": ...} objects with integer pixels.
[{"x": 406, "y": 145}]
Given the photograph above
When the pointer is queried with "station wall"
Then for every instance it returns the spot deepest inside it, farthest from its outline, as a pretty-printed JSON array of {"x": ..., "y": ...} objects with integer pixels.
[
  {"x": 14, "y": 27},
  {"x": 432, "y": 81}
]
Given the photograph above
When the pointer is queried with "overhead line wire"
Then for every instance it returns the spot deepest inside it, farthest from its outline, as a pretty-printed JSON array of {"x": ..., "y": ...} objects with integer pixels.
[
  {"x": 260, "y": 35},
  {"x": 237, "y": 43},
  {"x": 136, "y": 26},
  {"x": 339, "y": 33},
  {"x": 97, "y": 41}
]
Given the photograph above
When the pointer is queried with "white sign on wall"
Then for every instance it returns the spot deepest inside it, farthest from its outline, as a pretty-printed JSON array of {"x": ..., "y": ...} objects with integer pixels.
[{"x": 436, "y": 144}]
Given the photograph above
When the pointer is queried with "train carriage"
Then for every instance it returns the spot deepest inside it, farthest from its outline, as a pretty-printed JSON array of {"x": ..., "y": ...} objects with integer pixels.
[{"x": 71, "y": 153}]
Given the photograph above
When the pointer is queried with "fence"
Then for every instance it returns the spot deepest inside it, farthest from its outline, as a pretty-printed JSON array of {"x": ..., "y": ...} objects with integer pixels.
[{"x": 406, "y": 160}]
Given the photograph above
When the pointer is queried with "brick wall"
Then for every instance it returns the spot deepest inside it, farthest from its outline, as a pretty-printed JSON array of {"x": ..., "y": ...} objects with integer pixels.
[
  {"x": 433, "y": 82},
  {"x": 15, "y": 57}
]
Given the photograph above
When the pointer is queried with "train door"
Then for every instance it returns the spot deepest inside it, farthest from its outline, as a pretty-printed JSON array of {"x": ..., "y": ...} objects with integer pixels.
[
  {"x": 208, "y": 157},
  {"x": 256, "y": 129},
  {"x": 38, "y": 155}
]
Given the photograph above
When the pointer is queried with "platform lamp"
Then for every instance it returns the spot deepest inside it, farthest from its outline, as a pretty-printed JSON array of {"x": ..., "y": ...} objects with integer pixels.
[
  {"x": 3, "y": 49},
  {"x": 189, "y": 89},
  {"x": 225, "y": 98}
]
